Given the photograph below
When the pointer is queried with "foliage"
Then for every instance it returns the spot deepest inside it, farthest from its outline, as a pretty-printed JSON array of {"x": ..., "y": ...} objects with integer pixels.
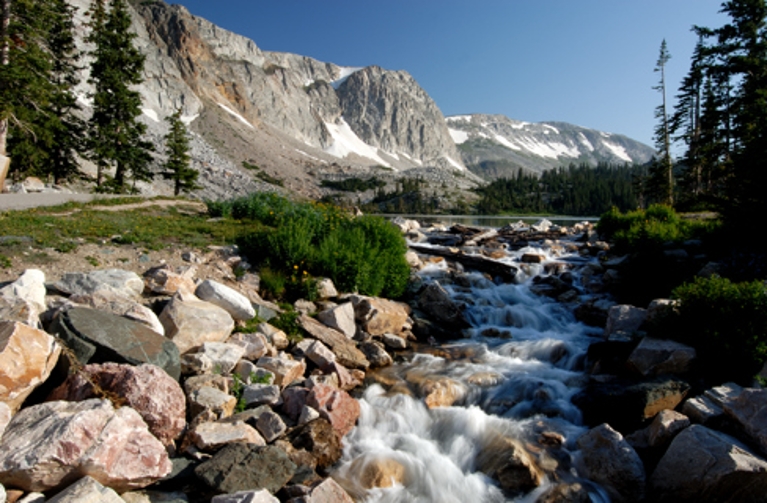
[
  {"x": 114, "y": 130},
  {"x": 300, "y": 240},
  {"x": 177, "y": 147},
  {"x": 354, "y": 184},
  {"x": 725, "y": 322},
  {"x": 408, "y": 196},
  {"x": 575, "y": 190},
  {"x": 287, "y": 321},
  {"x": 661, "y": 178}
]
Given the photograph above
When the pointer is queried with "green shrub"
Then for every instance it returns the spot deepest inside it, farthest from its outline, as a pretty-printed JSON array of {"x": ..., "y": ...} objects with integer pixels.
[
  {"x": 219, "y": 209},
  {"x": 725, "y": 322},
  {"x": 272, "y": 282}
]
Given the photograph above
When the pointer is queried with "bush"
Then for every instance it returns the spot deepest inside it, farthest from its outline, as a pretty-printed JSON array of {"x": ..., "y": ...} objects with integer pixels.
[
  {"x": 365, "y": 254},
  {"x": 725, "y": 322}
]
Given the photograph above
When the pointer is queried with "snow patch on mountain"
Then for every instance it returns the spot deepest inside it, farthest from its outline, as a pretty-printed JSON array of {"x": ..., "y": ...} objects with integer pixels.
[
  {"x": 346, "y": 72},
  {"x": 151, "y": 114},
  {"x": 618, "y": 151},
  {"x": 236, "y": 115},
  {"x": 458, "y": 136},
  {"x": 346, "y": 142},
  {"x": 455, "y": 164}
]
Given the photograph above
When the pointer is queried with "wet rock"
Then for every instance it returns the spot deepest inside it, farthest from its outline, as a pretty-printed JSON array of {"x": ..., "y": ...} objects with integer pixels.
[
  {"x": 394, "y": 341},
  {"x": 211, "y": 436},
  {"x": 371, "y": 471},
  {"x": 149, "y": 390},
  {"x": 626, "y": 405},
  {"x": 440, "y": 307},
  {"x": 125, "y": 283},
  {"x": 345, "y": 350},
  {"x": 229, "y": 299},
  {"x": 335, "y": 405},
  {"x": 164, "y": 280},
  {"x": 609, "y": 460},
  {"x": 260, "y": 496},
  {"x": 189, "y": 322},
  {"x": 328, "y": 491},
  {"x": 485, "y": 379},
  {"x": 653, "y": 357},
  {"x": 87, "y": 490},
  {"x": 285, "y": 370},
  {"x": 96, "y": 336},
  {"x": 624, "y": 320},
  {"x": 441, "y": 391},
  {"x": 705, "y": 465},
  {"x": 506, "y": 460},
  {"x": 27, "y": 358},
  {"x": 593, "y": 312},
  {"x": 378, "y": 316},
  {"x": 376, "y": 354},
  {"x": 319, "y": 439},
  {"x": 340, "y": 318},
  {"x": 565, "y": 493},
  {"x": 47, "y": 446},
  {"x": 244, "y": 467}
]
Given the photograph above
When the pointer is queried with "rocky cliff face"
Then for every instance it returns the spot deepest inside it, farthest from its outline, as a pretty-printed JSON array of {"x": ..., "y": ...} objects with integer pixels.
[{"x": 493, "y": 146}]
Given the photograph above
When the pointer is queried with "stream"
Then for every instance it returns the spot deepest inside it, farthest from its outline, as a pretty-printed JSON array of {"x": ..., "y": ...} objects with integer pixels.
[{"x": 509, "y": 384}]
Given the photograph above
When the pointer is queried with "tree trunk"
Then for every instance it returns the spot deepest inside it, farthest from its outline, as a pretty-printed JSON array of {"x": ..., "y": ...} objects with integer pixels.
[{"x": 5, "y": 23}]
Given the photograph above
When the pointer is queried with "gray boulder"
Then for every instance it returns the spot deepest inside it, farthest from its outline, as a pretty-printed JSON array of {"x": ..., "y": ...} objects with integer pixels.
[
  {"x": 245, "y": 467},
  {"x": 653, "y": 357}
]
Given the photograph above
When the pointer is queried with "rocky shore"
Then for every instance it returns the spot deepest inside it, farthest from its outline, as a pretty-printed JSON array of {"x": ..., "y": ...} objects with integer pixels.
[{"x": 160, "y": 387}]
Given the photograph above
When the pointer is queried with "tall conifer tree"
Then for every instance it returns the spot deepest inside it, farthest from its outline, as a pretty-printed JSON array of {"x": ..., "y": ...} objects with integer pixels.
[
  {"x": 661, "y": 173},
  {"x": 177, "y": 147},
  {"x": 115, "y": 132}
]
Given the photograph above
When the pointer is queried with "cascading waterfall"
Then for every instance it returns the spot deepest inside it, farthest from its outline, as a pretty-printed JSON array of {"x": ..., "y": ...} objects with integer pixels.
[{"x": 510, "y": 385}]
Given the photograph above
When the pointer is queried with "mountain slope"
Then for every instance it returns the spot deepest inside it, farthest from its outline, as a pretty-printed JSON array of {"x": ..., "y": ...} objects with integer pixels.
[{"x": 494, "y": 146}]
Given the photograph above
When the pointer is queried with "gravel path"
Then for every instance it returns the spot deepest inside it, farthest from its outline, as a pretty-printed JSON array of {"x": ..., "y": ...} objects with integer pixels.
[{"x": 26, "y": 201}]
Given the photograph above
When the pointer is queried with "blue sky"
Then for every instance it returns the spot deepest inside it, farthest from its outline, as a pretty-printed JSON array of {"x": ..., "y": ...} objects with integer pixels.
[{"x": 587, "y": 62}]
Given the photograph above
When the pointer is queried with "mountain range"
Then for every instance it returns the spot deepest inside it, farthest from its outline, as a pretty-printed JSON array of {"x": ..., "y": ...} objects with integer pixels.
[{"x": 261, "y": 119}]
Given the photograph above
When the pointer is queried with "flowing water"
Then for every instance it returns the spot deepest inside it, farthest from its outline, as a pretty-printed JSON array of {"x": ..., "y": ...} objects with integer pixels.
[{"x": 511, "y": 384}]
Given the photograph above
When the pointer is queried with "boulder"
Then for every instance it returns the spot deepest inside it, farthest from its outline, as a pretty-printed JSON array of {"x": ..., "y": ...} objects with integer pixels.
[
  {"x": 189, "y": 322},
  {"x": 328, "y": 491},
  {"x": 394, "y": 341},
  {"x": 659, "y": 308},
  {"x": 624, "y": 320},
  {"x": 164, "y": 280},
  {"x": 118, "y": 305},
  {"x": 148, "y": 389},
  {"x": 274, "y": 335},
  {"x": 261, "y": 394},
  {"x": 271, "y": 426},
  {"x": 626, "y": 405},
  {"x": 565, "y": 493},
  {"x": 5, "y": 417},
  {"x": 441, "y": 391},
  {"x": 27, "y": 358},
  {"x": 606, "y": 458},
  {"x": 222, "y": 357},
  {"x": 87, "y": 490},
  {"x": 194, "y": 383},
  {"x": 212, "y": 436},
  {"x": 506, "y": 460},
  {"x": 345, "y": 350},
  {"x": 335, "y": 405},
  {"x": 373, "y": 471},
  {"x": 127, "y": 283},
  {"x": 440, "y": 307},
  {"x": 708, "y": 408},
  {"x": 146, "y": 496},
  {"x": 28, "y": 289},
  {"x": 326, "y": 289},
  {"x": 48, "y": 446},
  {"x": 705, "y": 465},
  {"x": 96, "y": 336},
  {"x": 211, "y": 402},
  {"x": 341, "y": 318},
  {"x": 244, "y": 467},
  {"x": 285, "y": 370},
  {"x": 376, "y": 354},
  {"x": 653, "y": 357},
  {"x": 293, "y": 400},
  {"x": 748, "y": 410},
  {"x": 229, "y": 299},
  {"x": 308, "y": 414},
  {"x": 378, "y": 316},
  {"x": 318, "y": 353},
  {"x": 259, "y": 496},
  {"x": 254, "y": 344},
  {"x": 319, "y": 439}
]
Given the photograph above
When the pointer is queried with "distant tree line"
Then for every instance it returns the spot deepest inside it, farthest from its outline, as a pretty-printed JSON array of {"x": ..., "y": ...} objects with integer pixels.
[
  {"x": 42, "y": 125},
  {"x": 573, "y": 190}
]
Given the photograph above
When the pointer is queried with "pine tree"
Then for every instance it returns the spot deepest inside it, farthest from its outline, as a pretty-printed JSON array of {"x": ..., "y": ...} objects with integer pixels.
[
  {"x": 661, "y": 172},
  {"x": 177, "y": 147},
  {"x": 115, "y": 132}
]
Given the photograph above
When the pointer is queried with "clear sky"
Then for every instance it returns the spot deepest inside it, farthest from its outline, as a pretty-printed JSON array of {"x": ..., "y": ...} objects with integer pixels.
[{"x": 587, "y": 62}]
